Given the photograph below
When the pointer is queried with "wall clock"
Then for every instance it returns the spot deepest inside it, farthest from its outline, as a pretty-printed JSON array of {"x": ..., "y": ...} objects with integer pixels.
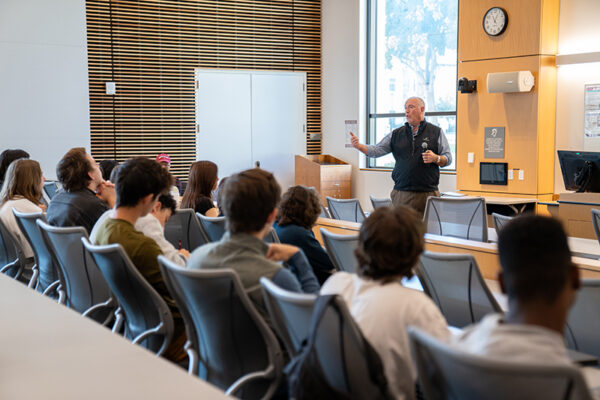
[{"x": 495, "y": 21}]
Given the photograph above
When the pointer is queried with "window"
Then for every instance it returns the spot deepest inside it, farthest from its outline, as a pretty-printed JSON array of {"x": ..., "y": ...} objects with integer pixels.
[{"x": 412, "y": 48}]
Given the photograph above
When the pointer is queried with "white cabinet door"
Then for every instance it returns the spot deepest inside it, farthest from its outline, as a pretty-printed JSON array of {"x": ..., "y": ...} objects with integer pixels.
[
  {"x": 278, "y": 122},
  {"x": 223, "y": 115}
]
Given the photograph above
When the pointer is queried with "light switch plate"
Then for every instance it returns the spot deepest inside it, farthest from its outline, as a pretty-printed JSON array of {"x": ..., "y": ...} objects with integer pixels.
[
  {"x": 521, "y": 175},
  {"x": 510, "y": 174},
  {"x": 470, "y": 158}
]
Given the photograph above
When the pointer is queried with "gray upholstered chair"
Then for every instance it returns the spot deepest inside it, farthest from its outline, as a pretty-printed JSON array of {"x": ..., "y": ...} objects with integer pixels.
[
  {"x": 145, "y": 315},
  {"x": 461, "y": 217},
  {"x": 345, "y": 209},
  {"x": 213, "y": 228},
  {"x": 324, "y": 212},
  {"x": 290, "y": 314},
  {"x": 231, "y": 345},
  {"x": 583, "y": 323},
  {"x": 84, "y": 286},
  {"x": 340, "y": 249},
  {"x": 183, "y": 230},
  {"x": 455, "y": 284},
  {"x": 447, "y": 373},
  {"x": 499, "y": 221},
  {"x": 596, "y": 222},
  {"x": 12, "y": 260},
  {"x": 380, "y": 202},
  {"x": 45, "y": 270},
  {"x": 271, "y": 237}
]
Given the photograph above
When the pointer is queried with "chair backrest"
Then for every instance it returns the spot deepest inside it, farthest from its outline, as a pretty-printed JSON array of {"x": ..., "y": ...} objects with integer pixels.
[
  {"x": 462, "y": 217},
  {"x": 324, "y": 212},
  {"x": 583, "y": 323},
  {"x": 50, "y": 188},
  {"x": 212, "y": 227},
  {"x": 499, "y": 221},
  {"x": 345, "y": 209},
  {"x": 271, "y": 237},
  {"x": 448, "y": 373},
  {"x": 383, "y": 202},
  {"x": 596, "y": 222},
  {"x": 231, "y": 338},
  {"x": 143, "y": 307},
  {"x": 183, "y": 230},
  {"x": 12, "y": 259},
  {"x": 341, "y": 351},
  {"x": 455, "y": 284},
  {"x": 340, "y": 249},
  {"x": 48, "y": 271},
  {"x": 80, "y": 278},
  {"x": 290, "y": 314}
]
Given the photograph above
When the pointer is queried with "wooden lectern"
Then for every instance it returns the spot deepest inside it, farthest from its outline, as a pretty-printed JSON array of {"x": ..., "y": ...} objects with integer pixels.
[{"x": 330, "y": 176}]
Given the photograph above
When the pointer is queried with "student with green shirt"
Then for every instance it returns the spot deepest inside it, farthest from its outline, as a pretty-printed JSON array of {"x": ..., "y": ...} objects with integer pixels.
[{"x": 139, "y": 183}]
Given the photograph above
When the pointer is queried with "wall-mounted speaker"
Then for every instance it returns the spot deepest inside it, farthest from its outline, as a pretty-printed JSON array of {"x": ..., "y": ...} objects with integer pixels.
[{"x": 510, "y": 82}]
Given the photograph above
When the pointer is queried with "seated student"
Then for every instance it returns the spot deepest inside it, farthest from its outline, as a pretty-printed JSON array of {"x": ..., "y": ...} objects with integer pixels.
[
  {"x": 202, "y": 181},
  {"x": 21, "y": 190},
  {"x": 85, "y": 195},
  {"x": 106, "y": 167},
  {"x": 250, "y": 205},
  {"x": 220, "y": 196},
  {"x": 390, "y": 243},
  {"x": 298, "y": 212},
  {"x": 153, "y": 226},
  {"x": 7, "y": 157},
  {"x": 541, "y": 281},
  {"x": 175, "y": 189},
  {"x": 139, "y": 182}
]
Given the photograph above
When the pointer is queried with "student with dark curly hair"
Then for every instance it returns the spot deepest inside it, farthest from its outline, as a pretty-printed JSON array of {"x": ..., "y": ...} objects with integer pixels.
[
  {"x": 390, "y": 243},
  {"x": 298, "y": 212}
]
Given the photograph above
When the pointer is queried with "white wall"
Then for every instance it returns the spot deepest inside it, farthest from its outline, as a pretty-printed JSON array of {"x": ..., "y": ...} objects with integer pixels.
[
  {"x": 578, "y": 32},
  {"x": 344, "y": 94},
  {"x": 44, "y": 95}
]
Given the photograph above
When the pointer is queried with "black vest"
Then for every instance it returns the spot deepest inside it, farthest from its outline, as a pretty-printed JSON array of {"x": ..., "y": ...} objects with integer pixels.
[{"x": 411, "y": 173}]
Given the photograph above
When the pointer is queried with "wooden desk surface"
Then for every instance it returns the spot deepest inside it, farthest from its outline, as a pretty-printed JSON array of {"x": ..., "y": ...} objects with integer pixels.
[
  {"x": 486, "y": 254},
  {"x": 49, "y": 351}
]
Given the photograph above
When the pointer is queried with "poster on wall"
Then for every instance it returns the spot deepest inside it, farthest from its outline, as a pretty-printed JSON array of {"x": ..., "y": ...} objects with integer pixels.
[{"x": 591, "y": 111}]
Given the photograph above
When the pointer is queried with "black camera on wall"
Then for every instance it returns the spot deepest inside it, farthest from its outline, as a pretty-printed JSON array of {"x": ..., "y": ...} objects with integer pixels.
[{"x": 466, "y": 86}]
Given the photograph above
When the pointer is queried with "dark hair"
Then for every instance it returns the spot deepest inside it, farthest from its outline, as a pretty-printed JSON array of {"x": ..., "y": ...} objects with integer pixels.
[
  {"x": 300, "y": 206},
  {"x": 114, "y": 173},
  {"x": 73, "y": 170},
  {"x": 106, "y": 166},
  {"x": 535, "y": 258},
  {"x": 389, "y": 243},
  {"x": 167, "y": 201},
  {"x": 7, "y": 157},
  {"x": 139, "y": 177},
  {"x": 249, "y": 197},
  {"x": 201, "y": 181}
]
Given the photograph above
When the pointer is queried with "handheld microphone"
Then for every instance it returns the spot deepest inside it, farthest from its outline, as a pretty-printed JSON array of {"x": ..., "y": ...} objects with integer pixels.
[{"x": 424, "y": 146}]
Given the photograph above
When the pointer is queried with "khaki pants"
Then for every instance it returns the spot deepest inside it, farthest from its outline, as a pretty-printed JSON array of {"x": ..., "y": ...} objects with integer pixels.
[{"x": 416, "y": 200}]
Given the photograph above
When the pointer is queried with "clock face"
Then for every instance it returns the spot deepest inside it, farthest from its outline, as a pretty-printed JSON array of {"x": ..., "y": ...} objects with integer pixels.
[{"x": 495, "y": 21}]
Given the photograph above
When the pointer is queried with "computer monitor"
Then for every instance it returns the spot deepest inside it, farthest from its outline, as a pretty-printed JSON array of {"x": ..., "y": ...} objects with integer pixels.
[{"x": 580, "y": 170}]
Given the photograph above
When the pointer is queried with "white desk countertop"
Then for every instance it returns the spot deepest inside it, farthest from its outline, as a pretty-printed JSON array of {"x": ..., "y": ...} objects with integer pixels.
[{"x": 48, "y": 351}]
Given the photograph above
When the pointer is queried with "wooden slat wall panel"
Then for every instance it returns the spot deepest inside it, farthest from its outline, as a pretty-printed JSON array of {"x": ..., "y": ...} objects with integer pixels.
[{"x": 150, "y": 48}]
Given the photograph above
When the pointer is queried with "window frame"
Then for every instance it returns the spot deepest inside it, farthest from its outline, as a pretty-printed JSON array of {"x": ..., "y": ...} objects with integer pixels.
[{"x": 371, "y": 71}]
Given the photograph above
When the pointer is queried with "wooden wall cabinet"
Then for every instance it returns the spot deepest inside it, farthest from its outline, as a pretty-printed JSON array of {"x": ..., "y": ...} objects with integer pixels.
[{"x": 330, "y": 176}]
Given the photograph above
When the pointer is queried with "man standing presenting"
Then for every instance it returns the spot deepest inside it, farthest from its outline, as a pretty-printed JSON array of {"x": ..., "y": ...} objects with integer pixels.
[{"x": 420, "y": 149}]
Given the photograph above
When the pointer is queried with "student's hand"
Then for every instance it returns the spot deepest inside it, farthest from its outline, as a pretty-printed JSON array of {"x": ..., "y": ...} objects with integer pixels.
[
  {"x": 184, "y": 253},
  {"x": 281, "y": 252},
  {"x": 354, "y": 140},
  {"x": 106, "y": 192},
  {"x": 430, "y": 157}
]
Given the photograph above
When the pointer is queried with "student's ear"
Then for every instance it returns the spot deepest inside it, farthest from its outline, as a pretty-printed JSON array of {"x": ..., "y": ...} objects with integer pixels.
[
  {"x": 157, "y": 207},
  {"x": 147, "y": 199},
  {"x": 501, "y": 282},
  {"x": 575, "y": 277},
  {"x": 272, "y": 216}
]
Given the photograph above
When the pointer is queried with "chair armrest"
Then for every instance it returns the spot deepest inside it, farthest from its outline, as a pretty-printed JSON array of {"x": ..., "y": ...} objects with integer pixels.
[
  {"x": 118, "y": 320},
  {"x": 53, "y": 286},
  {"x": 110, "y": 303},
  {"x": 242, "y": 380},
  {"x": 192, "y": 357},
  {"x": 8, "y": 266},
  {"x": 34, "y": 276}
]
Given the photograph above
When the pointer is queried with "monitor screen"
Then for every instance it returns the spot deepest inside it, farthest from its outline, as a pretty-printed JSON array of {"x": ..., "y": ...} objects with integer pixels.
[
  {"x": 491, "y": 173},
  {"x": 580, "y": 170}
]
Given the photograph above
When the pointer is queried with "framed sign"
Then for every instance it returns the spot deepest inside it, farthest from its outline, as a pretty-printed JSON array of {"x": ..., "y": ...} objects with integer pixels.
[
  {"x": 591, "y": 111},
  {"x": 494, "y": 142}
]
